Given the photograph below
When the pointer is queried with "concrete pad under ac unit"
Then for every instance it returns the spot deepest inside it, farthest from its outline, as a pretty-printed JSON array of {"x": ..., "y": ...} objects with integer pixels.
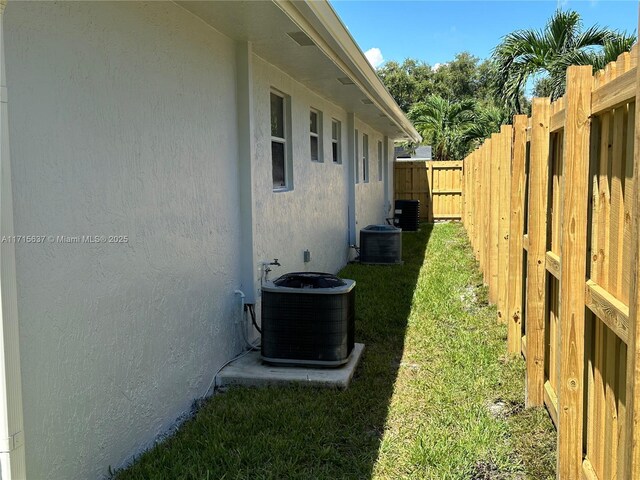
[{"x": 249, "y": 371}]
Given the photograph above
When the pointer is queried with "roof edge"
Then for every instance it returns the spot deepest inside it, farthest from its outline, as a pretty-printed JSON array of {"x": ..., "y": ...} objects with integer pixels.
[{"x": 321, "y": 23}]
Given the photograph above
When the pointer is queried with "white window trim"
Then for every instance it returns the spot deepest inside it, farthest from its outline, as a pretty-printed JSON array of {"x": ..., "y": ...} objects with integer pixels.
[
  {"x": 336, "y": 141},
  {"x": 365, "y": 159},
  {"x": 286, "y": 114},
  {"x": 380, "y": 155},
  {"x": 357, "y": 155},
  {"x": 317, "y": 135}
]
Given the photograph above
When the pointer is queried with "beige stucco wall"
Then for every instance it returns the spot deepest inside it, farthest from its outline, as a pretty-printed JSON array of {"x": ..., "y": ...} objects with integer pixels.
[
  {"x": 370, "y": 201},
  {"x": 314, "y": 214},
  {"x": 122, "y": 122}
]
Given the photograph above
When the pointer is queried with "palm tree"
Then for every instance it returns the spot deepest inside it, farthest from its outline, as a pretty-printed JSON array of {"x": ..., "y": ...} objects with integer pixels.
[
  {"x": 486, "y": 121},
  {"x": 546, "y": 54},
  {"x": 443, "y": 124}
]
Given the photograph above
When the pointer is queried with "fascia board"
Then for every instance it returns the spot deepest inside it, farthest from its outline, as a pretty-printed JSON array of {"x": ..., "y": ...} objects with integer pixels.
[{"x": 319, "y": 21}]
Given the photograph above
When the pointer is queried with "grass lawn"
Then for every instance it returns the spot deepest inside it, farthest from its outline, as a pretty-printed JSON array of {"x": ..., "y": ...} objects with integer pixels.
[{"x": 419, "y": 405}]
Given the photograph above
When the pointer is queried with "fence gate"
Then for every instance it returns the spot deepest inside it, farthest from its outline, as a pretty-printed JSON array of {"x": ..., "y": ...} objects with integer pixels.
[{"x": 437, "y": 184}]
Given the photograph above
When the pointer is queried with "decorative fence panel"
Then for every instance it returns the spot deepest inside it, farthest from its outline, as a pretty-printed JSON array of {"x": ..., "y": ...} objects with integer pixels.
[{"x": 437, "y": 184}]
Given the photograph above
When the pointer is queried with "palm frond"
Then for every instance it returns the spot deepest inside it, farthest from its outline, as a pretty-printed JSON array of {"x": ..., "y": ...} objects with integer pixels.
[{"x": 526, "y": 54}]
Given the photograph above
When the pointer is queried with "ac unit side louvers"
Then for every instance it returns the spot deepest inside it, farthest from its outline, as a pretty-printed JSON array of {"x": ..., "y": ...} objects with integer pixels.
[
  {"x": 407, "y": 215},
  {"x": 381, "y": 244},
  {"x": 308, "y": 318}
]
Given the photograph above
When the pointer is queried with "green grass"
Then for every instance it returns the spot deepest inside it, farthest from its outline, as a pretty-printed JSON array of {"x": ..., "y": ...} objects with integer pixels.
[{"x": 435, "y": 359}]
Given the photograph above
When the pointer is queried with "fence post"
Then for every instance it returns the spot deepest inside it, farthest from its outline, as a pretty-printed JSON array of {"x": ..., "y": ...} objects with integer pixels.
[
  {"x": 516, "y": 230},
  {"x": 536, "y": 269},
  {"x": 632, "y": 460},
  {"x": 574, "y": 268},
  {"x": 504, "y": 208}
]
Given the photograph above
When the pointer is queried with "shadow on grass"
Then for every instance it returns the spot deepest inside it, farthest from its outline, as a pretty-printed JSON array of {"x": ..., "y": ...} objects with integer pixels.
[{"x": 301, "y": 432}]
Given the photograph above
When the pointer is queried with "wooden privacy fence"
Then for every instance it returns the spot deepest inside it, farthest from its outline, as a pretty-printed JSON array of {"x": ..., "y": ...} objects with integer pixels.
[
  {"x": 437, "y": 184},
  {"x": 552, "y": 209}
]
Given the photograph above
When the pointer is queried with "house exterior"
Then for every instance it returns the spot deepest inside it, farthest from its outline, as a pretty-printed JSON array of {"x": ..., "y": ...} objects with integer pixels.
[
  {"x": 152, "y": 157},
  {"x": 421, "y": 153}
]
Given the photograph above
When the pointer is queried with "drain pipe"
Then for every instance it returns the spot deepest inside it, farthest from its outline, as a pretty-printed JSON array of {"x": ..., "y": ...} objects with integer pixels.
[
  {"x": 246, "y": 154},
  {"x": 387, "y": 177},
  {"x": 351, "y": 176},
  {"x": 243, "y": 324}
]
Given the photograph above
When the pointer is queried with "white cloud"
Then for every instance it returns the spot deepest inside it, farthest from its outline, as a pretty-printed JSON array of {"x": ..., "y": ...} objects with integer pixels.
[
  {"x": 374, "y": 55},
  {"x": 437, "y": 66}
]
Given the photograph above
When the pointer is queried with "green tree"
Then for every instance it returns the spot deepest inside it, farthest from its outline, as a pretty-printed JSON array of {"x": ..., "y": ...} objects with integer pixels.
[
  {"x": 443, "y": 124},
  {"x": 407, "y": 82},
  {"x": 544, "y": 55},
  {"x": 458, "y": 79},
  {"x": 487, "y": 120}
]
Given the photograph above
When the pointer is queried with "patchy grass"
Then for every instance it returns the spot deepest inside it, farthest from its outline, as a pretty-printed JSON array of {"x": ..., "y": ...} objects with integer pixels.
[{"x": 434, "y": 398}]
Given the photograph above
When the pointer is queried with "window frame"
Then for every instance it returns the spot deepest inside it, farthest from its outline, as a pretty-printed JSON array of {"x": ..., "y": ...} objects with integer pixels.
[
  {"x": 317, "y": 135},
  {"x": 365, "y": 158},
  {"x": 380, "y": 154},
  {"x": 337, "y": 141},
  {"x": 285, "y": 141},
  {"x": 357, "y": 156}
]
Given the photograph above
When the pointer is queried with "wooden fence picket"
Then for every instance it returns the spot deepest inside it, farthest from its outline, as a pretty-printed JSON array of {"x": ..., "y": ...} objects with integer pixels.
[
  {"x": 516, "y": 231},
  {"x": 504, "y": 200},
  {"x": 536, "y": 258},
  {"x": 573, "y": 271},
  {"x": 552, "y": 208}
]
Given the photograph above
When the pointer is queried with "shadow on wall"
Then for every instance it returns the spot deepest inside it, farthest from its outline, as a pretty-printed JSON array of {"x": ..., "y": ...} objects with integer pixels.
[{"x": 299, "y": 432}]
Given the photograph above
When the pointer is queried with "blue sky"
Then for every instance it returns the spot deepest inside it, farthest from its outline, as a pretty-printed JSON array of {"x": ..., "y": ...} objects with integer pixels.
[{"x": 434, "y": 31}]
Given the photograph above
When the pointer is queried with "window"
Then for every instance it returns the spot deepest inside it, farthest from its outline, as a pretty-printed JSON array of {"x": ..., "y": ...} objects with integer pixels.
[
  {"x": 379, "y": 161},
  {"x": 336, "y": 130},
  {"x": 357, "y": 159},
  {"x": 365, "y": 158},
  {"x": 315, "y": 135},
  {"x": 280, "y": 148}
]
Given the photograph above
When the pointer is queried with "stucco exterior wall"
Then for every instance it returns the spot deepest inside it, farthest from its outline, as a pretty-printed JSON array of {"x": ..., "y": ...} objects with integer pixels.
[
  {"x": 314, "y": 214},
  {"x": 122, "y": 122},
  {"x": 370, "y": 199}
]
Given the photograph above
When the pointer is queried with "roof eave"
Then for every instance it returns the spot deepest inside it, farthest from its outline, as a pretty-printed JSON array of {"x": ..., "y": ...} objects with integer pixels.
[{"x": 320, "y": 22}]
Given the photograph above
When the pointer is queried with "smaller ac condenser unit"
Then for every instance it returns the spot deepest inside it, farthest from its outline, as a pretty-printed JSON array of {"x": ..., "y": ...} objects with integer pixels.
[
  {"x": 381, "y": 244},
  {"x": 407, "y": 215}
]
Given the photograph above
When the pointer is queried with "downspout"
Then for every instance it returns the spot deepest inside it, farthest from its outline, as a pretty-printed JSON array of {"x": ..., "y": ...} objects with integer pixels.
[
  {"x": 387, "y": 178},
  {"x": 246, "y": 154},
  {"x": 12, "y": 457},
  {"x": 351, "y": 176}
]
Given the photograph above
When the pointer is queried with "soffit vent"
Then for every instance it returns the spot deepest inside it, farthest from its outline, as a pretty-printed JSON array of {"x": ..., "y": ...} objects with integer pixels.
[
  {"x": 345, "y": 81},
  {"x": 367, "y": 101},
  {"x": 301, "y": 39}
]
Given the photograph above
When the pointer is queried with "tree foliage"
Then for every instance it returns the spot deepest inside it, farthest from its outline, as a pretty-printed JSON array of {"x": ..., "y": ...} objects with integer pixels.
[
  {"x": 443, "y": 123},
  {"x": 543, "y": 56},
  {"x": 465, "y": 77},
  {"x": 452, "y": 105},
  {"x": 408, "y": 82}
]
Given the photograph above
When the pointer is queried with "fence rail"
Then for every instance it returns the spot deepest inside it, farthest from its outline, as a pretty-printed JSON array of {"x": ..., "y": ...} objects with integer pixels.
[
  {"x": 437, "y": 184},
  {"x": 552, "y": 208}
]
